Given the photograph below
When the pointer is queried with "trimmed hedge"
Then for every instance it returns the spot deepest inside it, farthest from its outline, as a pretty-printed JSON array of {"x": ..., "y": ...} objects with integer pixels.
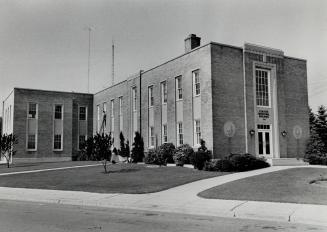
[
  {"x": 166, "y": 151},
  {"x": 155, "y": 157},
  {"x": 316, "y": 159},
  {"x": 236, "y": 163},
  {"x": 187, "y": 150}
]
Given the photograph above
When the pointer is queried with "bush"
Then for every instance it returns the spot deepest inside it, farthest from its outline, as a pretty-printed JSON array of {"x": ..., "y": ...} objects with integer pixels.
[
  {"x": 180, "y": 158},
  {"x": 155, "y": 157},
  {"x": 201, "y": 156},
  {"x": 124, "y": 147},
  {"x": 87, "y": 151},
  {"x": 316, "y": 159},
  {"x": 138, "y": 148},
  {"x": 167, "y": 150},
  {"x": 246, "y": 162},
  {"x": 188, "y": 152}
]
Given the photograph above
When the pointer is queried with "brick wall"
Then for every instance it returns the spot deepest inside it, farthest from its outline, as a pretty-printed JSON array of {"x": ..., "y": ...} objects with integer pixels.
[
  {"x": 181, "y": 66},
  {"x": 227, "y": 98},
  {"x": 46, "y": 101},
  {"x": 122, "y": 89}
]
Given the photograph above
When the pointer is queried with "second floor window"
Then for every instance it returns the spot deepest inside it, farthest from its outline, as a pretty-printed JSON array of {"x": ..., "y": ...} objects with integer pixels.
[
  {"x": 179, "y": 89},
  {"x": 196, "y": 81},
  {"x": 164, "y": 92},
  {"x": 151, "y": 99},
  {"x": 82, "y": 113},
  {"x": 58, "y": 112},
  {"x": 32, "y": 110},
  {"x": 262, "y": 87}
]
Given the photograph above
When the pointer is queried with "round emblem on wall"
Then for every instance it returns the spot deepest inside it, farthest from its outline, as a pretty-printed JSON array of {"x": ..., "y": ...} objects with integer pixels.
[
  {"x": 229, "y": 129},
  {"x": 297, "y": 132}
]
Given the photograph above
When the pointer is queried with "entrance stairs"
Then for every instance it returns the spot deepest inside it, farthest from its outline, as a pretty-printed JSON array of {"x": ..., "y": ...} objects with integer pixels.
[{"x": 287, "y": 162}]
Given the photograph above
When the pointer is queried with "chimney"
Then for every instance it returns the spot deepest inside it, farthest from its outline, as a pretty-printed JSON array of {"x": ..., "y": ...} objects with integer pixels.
[{"x": 191, "y": 42}]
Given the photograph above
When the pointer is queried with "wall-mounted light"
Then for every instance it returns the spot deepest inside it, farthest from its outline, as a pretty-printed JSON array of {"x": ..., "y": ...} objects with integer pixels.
[
  {"x": 252, "y": 132},
  {"x": 284, "y": 133}
]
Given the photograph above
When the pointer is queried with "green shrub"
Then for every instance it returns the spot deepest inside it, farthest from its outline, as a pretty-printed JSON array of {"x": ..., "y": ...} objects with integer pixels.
[
  {"x": 87, "y": 151},
  {"x": 124, "y": 147},
  {"x": 187, "y": 150},
  {"x": 180, "y": 158},
  {"x": 201, "y": 156},
  {"x": 155, "y": 157},
  {"x": 246, "y": 162},
  {"x": 316, "y": 159},
  {"x": 218, "y": 165},
  {"x": 167, "y": 150},
  {"x": 138, "y": 148},
  {"x": 224, "y": 165}
]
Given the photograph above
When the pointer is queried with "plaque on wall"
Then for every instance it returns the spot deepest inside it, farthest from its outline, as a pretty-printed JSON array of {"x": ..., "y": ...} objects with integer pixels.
[{"x": 263, "y": 114}]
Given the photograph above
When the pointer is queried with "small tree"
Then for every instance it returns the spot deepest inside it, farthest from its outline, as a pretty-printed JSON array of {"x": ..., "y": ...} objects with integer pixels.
[
  {"x": 138, "y": 148},
  {"x": 102, "y": 145},
  {"x": 7, "y": 147},
  {"x": 124, "y": 147}
]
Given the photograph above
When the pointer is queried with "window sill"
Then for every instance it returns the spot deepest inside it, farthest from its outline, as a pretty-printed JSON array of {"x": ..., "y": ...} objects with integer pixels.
[
  {"x": 197, "y": 95},
  {"x": 178, "y": 100}
]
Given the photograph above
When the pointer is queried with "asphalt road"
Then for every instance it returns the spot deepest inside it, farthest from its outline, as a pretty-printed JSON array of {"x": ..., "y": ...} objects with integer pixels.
[{"x": 39, "y": 217}]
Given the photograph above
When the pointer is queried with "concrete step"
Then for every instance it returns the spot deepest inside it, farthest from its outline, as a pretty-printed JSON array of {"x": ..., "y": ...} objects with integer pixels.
[{"x": 287, "y": 162}]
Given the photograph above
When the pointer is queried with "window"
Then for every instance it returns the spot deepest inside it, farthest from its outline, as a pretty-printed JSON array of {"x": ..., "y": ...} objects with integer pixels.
[
  {"x": 262, "y": 87},
  {"x": 179, "y": 89},
  {"x": 164, "y": 133},
  {"x": 32, "y": 110},
  {"x": 150, "y": 93},
  {"x": 265, "y": 127},
  {"x": 197, "y": 131},
  {"x": 57, "y": 142},
  {"x": 112, "y": 116},
  {"x": 58, "y": 112},
  {"x": 98, "y": 118},
  {"x": 31, "y": 142},
  {"x": 104, "y": 107},
  {"x": 121, "y": 113},
  {"x": 196, "y": 81},
  {"x": 32, "y": 125},
  {"x": 81, "y": 141},
  {"x": 180, "y": 137},
  {"x": 134, "y": 98},
  {"x": 82, "y": 113},
  {"x": 151, "y": 137},
  {"x": 164, "y": 92}
]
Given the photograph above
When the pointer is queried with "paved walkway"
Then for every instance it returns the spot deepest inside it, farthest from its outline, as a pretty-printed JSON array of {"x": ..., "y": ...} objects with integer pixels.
[
  {"x": 48, "y": 169},
  {"x": 183, "y": 199}
]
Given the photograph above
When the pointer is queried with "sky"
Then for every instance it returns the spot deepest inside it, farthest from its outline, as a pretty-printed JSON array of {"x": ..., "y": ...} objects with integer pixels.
[{"x": 44, "y": 43}]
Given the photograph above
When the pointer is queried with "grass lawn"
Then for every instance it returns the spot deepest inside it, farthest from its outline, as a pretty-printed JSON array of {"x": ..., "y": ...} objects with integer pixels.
[
  {"x": 18, "y": 167},
  {"x": 123, "y": 178},
  {"x": 291, "y": 185}
]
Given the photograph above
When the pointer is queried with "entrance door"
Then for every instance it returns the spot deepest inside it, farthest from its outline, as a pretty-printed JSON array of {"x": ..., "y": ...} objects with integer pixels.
[{"x": 264, "y": 140}]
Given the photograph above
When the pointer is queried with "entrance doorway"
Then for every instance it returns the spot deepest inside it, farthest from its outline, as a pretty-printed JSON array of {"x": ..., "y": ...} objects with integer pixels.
[{"x": 264, "y": 138}]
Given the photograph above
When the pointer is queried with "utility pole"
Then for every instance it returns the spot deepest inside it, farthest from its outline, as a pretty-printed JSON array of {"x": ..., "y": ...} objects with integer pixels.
[
  {"x": 113, "y": 63},
  {"x": 89, "y": 59}
]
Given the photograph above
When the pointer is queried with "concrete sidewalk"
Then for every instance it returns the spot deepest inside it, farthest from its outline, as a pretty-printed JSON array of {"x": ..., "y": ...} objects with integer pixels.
[{"x": 183, "y": 199}]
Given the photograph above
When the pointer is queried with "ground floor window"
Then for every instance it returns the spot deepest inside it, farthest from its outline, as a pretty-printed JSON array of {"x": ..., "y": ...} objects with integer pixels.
[
  {"x": 31, "y": 142},
  {"x": 164, "y": 133},
  {"x": 57, "y": 143},
  {"x": 197, "y": 131},
  {"x": 151, "y": 136},
  {"x": 180, "y": 135}
]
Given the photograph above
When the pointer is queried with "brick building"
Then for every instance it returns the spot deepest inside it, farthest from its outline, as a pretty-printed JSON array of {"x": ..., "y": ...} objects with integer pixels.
[
  {"x": 238, "y": 99},
  {"x": 48, "y": 124}
]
